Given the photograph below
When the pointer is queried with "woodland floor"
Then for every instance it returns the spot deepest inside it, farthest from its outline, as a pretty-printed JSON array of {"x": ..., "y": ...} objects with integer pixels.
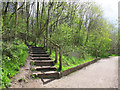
[{"x": 102, "y": 74}]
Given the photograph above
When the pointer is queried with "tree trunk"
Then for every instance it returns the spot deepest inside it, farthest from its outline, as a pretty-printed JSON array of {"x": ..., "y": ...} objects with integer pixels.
[
  {"x": 42, "y": 14},
  {"x": 15, "y": 19},
  {"x": 47, "y": 28},
  {"x": 27, "y": 21},
  {"x": 37, "y": 13}
]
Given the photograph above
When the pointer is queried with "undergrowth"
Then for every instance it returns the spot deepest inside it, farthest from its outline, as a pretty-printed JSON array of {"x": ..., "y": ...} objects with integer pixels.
[
  {"x": 69, "y": 62},
  {"x": 119, "y": 60},
  {"x": 114, "y": 55},
  {"x": 13, "y": 57}
]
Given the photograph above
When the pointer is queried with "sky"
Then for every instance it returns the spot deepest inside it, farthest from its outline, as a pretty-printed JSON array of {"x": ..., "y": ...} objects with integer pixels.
[{"x": 110, "y": 9}]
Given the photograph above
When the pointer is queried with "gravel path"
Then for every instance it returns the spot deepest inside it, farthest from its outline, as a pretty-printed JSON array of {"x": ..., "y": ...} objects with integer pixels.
[{"x": 102, "y": 74}]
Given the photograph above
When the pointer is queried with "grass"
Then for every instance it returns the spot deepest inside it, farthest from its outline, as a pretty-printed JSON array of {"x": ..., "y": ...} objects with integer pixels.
[
  {"x": 33, "y": 69},
  {"x": 72, "y": 62},
  {"x": 114, "y": 55},
  {"x": 34, "y": 77},
  {"x": 31, "y": 63},
  {"x": 68, "y": 63},
  {"x": 119, "y": 60}
]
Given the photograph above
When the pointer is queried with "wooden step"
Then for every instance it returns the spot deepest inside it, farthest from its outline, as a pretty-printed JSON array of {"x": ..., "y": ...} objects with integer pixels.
[
  {"x": 29, "y": 45},
  {"x": 38, "y": 52},
  {"x": 42, "y": 65},
  {"x": 37, "y": 48},
  {"x": 43, "y": 62},
  {"x": 44, "y": 68},
  {"x": 50, "y": 74},
  {"x": 39, "y": 55},
  {"x": 41, "y": 58}
]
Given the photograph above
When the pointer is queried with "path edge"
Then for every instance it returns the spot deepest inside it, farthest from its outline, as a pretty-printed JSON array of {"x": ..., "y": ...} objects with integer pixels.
[{"x": 78, "y": 67}]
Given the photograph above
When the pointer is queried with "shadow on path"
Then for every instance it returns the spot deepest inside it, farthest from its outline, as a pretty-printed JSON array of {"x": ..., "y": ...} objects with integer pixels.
[{"x": 45, "y": 81}]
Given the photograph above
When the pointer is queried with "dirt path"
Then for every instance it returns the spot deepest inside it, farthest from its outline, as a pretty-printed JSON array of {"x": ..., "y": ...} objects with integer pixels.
[
  {"x": 27, "y": 81},
  {"x": 102, "y": 74}
]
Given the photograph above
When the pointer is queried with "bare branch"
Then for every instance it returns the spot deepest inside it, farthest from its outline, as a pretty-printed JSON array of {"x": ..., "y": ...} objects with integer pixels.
[{"x": 17, "y": 10}]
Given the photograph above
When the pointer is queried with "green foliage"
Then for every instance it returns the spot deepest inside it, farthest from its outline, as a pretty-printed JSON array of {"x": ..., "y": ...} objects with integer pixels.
[
  {"x": 119, "y": 60},
  {"x": 21, "y": 79},
  {"x": 62, "y": 34},
  {"x": 69, "y": 62},
  {"x": 79, "y": 29},
  {"x": 114, "y": 55},
  {"x": 11, "y": 62},
  {"x": 33, "y": 69},
  {"x": 31, "y": 63},
  {"x": 34, "y": 77}
]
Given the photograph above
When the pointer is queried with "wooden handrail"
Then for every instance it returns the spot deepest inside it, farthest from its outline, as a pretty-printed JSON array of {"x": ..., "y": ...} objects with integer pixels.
[{"x": 60, "y": 51}]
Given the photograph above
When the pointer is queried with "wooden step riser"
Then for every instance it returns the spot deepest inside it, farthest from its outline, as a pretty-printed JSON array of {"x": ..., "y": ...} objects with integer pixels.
[
  {"x": 38, "y": 52},
  {"x": 37, "y": 47},
  {"x": 45, "y": 69},
  {"x": 29, "y": 46},
  {"x": 47, "y": 76},
  {"x": 43, "y": 63},
  {"x": 39, "y": 55},
  {"x": 40, "y": 58}
]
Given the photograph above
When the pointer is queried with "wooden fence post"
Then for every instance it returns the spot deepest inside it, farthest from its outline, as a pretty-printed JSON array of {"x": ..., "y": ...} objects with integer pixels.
[
  {"x": 96, "y": 53},
  {"x": 44, "y": 42},
  {"x": 50, "y": 48},
  {"x": 60, "y": 58},
  {"x": 55, "y": 54}
]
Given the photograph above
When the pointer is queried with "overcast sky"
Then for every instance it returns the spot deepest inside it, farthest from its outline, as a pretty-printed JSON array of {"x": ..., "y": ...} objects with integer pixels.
[{"x": 110, "y": 9}]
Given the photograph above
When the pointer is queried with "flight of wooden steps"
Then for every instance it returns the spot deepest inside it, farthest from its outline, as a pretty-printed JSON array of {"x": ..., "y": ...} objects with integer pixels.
[{"x": 41, "y": 64}]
